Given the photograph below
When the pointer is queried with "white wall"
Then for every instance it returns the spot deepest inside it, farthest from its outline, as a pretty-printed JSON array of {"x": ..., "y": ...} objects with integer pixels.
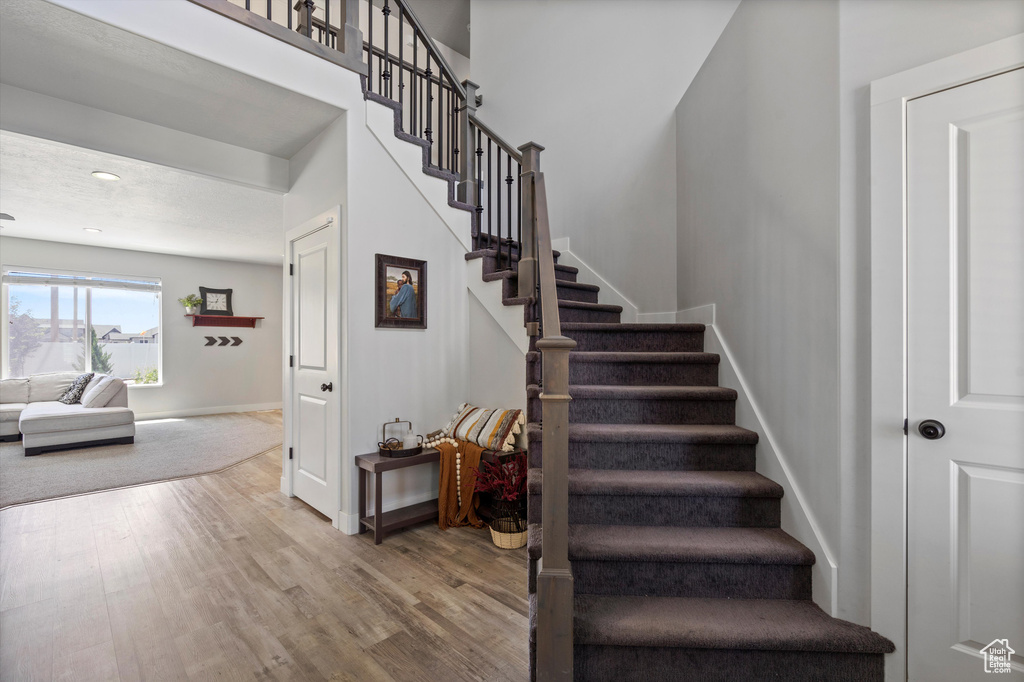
[
  {"x": 878, "y": 38},
  {"x": 597, "y": 83},
  {"x": 497, "y": 368},
  {"x": 757, "y": 202},
  {"x": 774, "y": 203},
  {"x": 196, "y": 379}
]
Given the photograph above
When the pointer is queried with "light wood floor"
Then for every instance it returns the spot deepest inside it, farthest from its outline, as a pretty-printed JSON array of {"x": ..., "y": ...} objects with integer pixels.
[{"x": 222, "y": 577}]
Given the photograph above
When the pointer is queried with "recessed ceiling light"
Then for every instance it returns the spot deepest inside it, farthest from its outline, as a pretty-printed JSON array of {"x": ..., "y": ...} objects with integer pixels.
[
  {"x": 104, "y": 175},
  {"x": 92, "y": 229}
]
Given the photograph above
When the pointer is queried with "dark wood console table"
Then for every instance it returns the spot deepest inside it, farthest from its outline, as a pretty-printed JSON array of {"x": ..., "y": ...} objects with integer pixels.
[{"x": 385, "y": 522}]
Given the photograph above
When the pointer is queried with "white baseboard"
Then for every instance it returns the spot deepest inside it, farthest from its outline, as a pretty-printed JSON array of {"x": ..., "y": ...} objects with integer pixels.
[
  {"x": 797, "y": 518},
  {"x": 285, "y": 487},
  {"x": 200, "y": 411},
  {"x": 609, "y": 294},
  {"x": 702, "y": 314}
]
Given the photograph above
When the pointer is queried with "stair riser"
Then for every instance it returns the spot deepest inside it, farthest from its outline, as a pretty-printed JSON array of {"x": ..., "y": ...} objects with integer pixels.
[
  {"x": 643, "y": 411},
  {"x": 654, "y": 510},
  {"x": 574, "y": 294},
  {"x": 699, "y": 580},
  {"x": 579, "y": 315},
  {"x": 634, "y": 373},
  {"x": 599, "y": 663},
  {"x": 653, "y": 456},
  {"x": 657, "y": 342}
]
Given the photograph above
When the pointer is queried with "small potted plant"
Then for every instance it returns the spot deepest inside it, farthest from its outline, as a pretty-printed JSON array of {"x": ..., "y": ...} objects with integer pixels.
[
  {"x": 191, "y": 303},
  {"x": 506, "y": 482}
]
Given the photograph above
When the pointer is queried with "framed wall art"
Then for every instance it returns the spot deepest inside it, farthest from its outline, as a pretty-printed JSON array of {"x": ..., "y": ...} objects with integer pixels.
[{"x": 401, "y": 292}]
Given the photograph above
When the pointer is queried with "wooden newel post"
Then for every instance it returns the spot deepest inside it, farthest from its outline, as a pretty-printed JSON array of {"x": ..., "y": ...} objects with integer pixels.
[
  {"x": 352, "y": 37},
  {"x": 466, "y": 191},
  {"x": 554, "y": 576},
  {"x": 528, "y": 249},
  {"x": 305, "y": 8}
]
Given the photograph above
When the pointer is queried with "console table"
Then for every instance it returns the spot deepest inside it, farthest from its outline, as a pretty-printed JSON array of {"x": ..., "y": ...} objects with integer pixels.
[{"x": 385, "y": 522}]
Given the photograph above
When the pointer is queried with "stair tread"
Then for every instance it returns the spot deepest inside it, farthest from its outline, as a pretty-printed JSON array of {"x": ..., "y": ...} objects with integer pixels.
[
  {"x": 680, "y": 544},
  {"x": 643, "y": 392},
  {"x": 639, "y": 357},
  {"x": 561, "y": 283},
  {"x": 581, "y": 305},
  {"x": 746, "y": 624},
  {"x": 648, "y": 483},
  {"x": 630, "y": 327},
  {"x": 654, "y": 433}
]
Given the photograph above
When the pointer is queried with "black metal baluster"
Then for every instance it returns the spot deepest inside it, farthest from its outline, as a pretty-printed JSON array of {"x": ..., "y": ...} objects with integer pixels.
[
  {"x": 508, "y": 182},
  {"x": 479, "y": 181},
  {"x": 327, "y": 20},
  {"x": 413, "y": 81},
  {"x": 401, "y": 69},
  {"x": 455, "y": 135},
  {"x": 519, "y": 218},
  {"x": 290, "y": 10},
  {"x": 497, "y": 213},
  {"x": 268, "y": 10},
  {"x": 440, "y": 117},
  {"x": 490, "y": 237},
  {"x": 369, "y": 58},
  {"x": 247, "y": 4},
  {"x": 430, "y": 104},
  {"x": 386, "y": 11}
]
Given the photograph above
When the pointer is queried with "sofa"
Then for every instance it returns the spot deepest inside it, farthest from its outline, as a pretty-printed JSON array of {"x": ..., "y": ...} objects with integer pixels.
[{"x": 30, "y": 410}]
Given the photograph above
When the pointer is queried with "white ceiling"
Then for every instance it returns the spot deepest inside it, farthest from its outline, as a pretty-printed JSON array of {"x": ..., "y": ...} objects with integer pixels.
[
  {"x": 54, "y": 51},
  {"x": 446, "y": 21},
  {"x": 48, "y": 188}
]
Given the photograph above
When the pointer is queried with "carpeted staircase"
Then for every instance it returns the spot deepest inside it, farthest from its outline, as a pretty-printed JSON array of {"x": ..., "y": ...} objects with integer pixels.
[{"x": 681, "y": 569}]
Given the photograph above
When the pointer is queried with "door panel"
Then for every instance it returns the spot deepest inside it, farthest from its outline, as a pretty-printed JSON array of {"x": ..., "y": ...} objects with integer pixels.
[
  {"x": 316, "y": 394},
  {"x": 965, "y": 331}
]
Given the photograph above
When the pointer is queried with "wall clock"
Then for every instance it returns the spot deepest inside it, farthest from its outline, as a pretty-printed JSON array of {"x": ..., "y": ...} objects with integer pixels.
[{"x": 215, "y": 301}]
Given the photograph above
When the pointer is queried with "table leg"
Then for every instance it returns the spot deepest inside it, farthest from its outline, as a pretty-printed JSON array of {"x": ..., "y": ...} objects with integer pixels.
[
  {"x": 378, "y": 518},
  {"x": 362, "y": 499}
]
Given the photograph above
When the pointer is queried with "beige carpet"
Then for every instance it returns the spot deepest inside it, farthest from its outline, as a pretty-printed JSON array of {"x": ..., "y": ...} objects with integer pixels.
[{"x": 163, "y": 449}]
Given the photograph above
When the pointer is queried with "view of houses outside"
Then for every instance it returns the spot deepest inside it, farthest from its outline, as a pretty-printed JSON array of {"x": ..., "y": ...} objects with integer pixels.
[{"x": 48, "y": 326}]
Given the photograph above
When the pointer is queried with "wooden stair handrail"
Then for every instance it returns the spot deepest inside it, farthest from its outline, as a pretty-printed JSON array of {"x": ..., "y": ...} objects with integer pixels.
[
  {"x": 505, "y": 146},
  {"x": 554, "y": 658},
  {"x": 431, "y": 47}
]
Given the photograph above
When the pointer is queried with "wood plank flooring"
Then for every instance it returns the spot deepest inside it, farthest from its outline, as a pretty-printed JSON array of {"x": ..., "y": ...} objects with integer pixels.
[{"x": 223, "y": 577}]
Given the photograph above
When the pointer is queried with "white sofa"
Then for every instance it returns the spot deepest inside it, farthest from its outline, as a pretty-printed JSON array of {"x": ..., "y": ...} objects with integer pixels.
[{"x": 30, "y": 410}]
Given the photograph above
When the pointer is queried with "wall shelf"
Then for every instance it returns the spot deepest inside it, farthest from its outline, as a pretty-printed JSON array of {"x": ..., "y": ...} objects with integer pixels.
[{"x": 223, "y": 321}]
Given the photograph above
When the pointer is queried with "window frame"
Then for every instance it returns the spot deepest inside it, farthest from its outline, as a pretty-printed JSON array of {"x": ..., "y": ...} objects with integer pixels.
[{"x": 20, "y": 275}]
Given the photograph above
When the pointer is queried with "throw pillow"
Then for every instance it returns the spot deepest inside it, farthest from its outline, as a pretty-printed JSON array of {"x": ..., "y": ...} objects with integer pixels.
[
  {"x": 490, "y": 429},
  {"x": 74, "y": 393},
  {"x": 102, "y": 393}
]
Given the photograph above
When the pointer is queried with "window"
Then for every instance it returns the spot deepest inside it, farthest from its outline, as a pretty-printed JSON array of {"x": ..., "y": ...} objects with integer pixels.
[{"x": 61, "y": 321}]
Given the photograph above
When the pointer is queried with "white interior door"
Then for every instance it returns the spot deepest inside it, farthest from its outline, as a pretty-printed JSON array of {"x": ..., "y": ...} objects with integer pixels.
[
  {"x": 965, "y": 331},
  {"x": 315, "y": 399}
]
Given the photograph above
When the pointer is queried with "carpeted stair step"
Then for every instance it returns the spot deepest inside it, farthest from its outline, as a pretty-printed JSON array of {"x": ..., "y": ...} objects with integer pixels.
[
  {"x": 643, "y": 404},
  {"x": 672, "y": 638},
  {"x": 665, "y": 498},
  {"x": 575, "y": 311},
  {"x": 484, "y": 242},
  {"x": 634, "y": 369},
  {"x": 661, "y": 338},
  {"x": 661, "y": 447},
  {"x": 672, "y": 561},
  {"x": 567, "y": 291},
  {"x": 491, "y": 264}
]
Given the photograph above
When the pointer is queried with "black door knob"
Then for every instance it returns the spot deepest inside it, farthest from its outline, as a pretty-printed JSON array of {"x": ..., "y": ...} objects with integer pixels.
[
  {"x": 327, "y": 387},
  {"x": 931, "y": 429}
]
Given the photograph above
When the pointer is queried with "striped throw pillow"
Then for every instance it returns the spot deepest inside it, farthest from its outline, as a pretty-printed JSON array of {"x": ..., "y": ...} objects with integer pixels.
[{"x": 490, "y": 429}]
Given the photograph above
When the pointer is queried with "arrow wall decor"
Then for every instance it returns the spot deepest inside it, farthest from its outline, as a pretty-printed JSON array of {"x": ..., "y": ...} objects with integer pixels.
[{"x": 224, "y": 341}]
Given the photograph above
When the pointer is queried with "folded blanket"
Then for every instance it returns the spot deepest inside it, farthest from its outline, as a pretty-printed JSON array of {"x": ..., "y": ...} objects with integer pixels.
[{"x": 456, "y": 501}]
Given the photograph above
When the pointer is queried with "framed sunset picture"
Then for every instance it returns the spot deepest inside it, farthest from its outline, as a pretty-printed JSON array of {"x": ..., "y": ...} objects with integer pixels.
[{"x": 401, "y": 292}]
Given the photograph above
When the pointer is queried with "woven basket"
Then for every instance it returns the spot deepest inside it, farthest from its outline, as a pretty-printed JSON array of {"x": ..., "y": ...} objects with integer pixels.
[{"x": 505, "y": 535}]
